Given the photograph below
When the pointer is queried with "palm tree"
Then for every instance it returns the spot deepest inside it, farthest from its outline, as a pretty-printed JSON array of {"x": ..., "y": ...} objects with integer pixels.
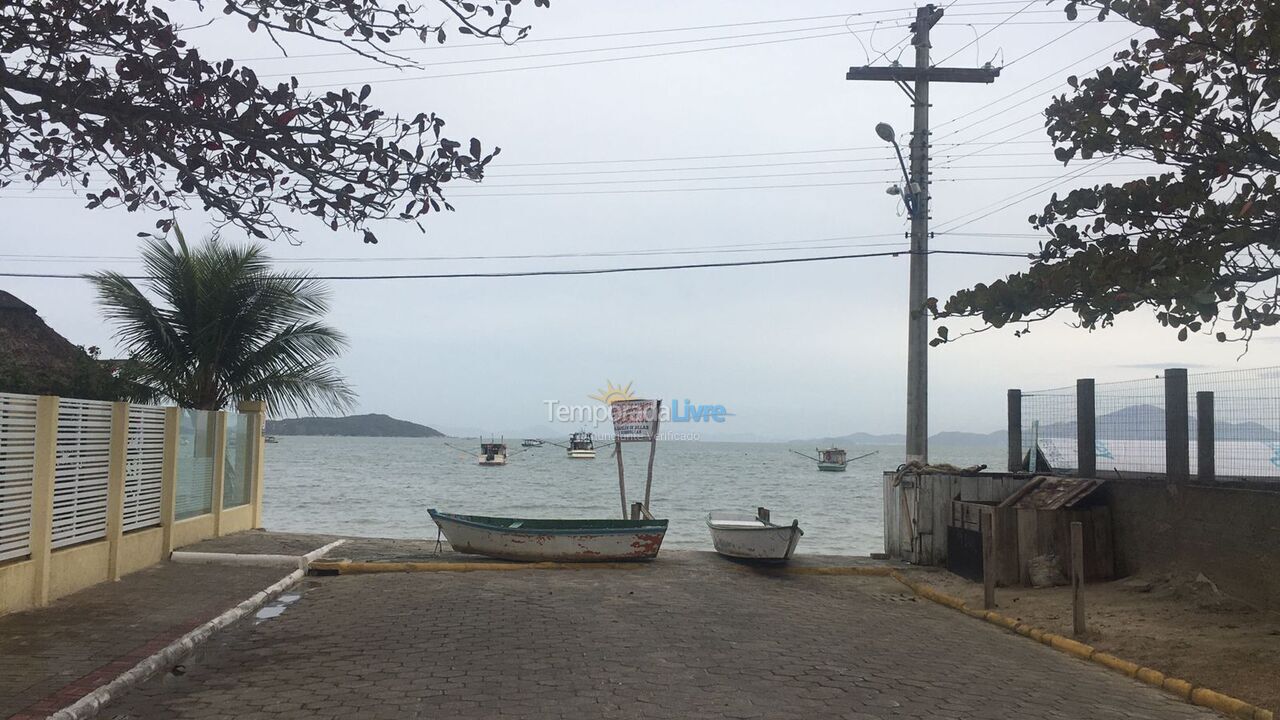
[{"x": 229, "y": 328}]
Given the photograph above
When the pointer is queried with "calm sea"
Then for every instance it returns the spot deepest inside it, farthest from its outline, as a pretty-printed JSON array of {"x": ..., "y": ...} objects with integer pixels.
[{"x": 383, "y": 487}]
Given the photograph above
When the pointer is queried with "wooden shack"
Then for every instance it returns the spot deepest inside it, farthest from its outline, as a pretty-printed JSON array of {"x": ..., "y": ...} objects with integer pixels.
[{"x": 1034, "y": 521}]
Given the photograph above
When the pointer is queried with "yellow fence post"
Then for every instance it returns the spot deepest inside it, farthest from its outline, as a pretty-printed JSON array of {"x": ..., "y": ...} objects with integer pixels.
[
  {"x": 169, "y": 476},
  {"x": 42, "y": 495},
  {"x": 115, "y": 485},
  {"x": 257, "y": 410},
  {"x": 219, "y": 467}
]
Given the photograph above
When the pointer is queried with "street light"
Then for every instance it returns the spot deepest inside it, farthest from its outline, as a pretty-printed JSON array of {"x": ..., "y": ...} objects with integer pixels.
[
  {"x": 886, "y": 133},
  {"x": 916, "y": 197}
]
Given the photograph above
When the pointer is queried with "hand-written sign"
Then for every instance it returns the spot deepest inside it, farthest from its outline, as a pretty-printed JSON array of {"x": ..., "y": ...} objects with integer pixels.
[{"x": 634, "y": 420}]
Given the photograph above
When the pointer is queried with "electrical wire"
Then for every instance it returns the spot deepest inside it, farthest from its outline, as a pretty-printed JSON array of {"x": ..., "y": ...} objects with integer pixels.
[
  {"x": 594, "y": 271},
  {"x": 558, "y": 53},
  {"x": 986, "y": 33},
  {"x": 491, "y": 71}
]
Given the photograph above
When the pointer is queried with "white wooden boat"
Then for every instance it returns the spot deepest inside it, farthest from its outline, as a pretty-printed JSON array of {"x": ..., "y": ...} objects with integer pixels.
[
  {"x": 753, "y": 537},
  {"x": 538, "y": 540}
]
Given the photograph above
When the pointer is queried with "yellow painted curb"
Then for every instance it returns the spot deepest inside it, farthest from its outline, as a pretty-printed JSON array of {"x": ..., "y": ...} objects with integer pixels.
[
  {"x": 872, "y": 571},
  {"x": 1204, "y": 697},
  {"x": 1126, "y": 667},
  {"x": 346, "y": 567}
]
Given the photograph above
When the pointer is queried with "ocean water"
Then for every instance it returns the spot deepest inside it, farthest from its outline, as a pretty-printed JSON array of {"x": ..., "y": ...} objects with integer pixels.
[{"x": 383, "y": 487}]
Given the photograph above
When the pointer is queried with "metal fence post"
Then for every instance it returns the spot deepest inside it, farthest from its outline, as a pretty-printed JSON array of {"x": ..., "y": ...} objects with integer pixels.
[
  {"x": 1015, "y": 430},
  {"x": 118, "y": 449},
  {"x": 46, "y": 458},
  {"x": 1204, "y": 437},
  {"x": 257, "y": 410},
  {"x": 169, "y": 477},
  {"x": 219, "y": 466},
  {"x": 1177, "y": 451},
  {"x": 1086, "y": 430}
]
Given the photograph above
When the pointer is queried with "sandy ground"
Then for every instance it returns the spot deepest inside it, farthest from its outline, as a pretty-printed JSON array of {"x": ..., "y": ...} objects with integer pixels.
[{"x": 1177, "y": 624}]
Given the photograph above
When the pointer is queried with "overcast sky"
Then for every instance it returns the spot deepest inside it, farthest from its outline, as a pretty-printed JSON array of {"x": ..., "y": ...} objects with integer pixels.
[{"x": 791, "y": 350}]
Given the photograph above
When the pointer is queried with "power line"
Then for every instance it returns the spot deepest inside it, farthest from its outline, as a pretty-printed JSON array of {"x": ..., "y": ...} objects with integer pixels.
[
  {"x": 791, "y": 246},
  {"x": 986, "y": 212},
  {"x": 595, "y": 36},
  {"x": 986, "y": 33},
  {"x": 1031, "y": 84},
  {"x": 628, "y": 191},
  {"x": 591, "y": 271},
  {"x": 594, "y": 61},
  {"x": 559, "y": 53}
]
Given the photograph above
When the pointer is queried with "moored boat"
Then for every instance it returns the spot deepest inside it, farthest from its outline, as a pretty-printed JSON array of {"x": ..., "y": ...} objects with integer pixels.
[
  {"x": 753, "y": 537},
  {"x": 581, "y": 446},
  {"x": 832, "y": 460},
  {"x": 539, "y": 540},
  {"x": 493, "y": 453},
  {"x": 531, "y": 442}
]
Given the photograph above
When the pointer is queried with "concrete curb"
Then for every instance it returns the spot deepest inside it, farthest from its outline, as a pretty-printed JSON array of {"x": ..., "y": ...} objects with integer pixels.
[
  {"x": 252, "y": 559},
  {"x": 1204, "y": 697},
  {"x": 352, "y": 567},
  {"x": 90, "y": 705}
]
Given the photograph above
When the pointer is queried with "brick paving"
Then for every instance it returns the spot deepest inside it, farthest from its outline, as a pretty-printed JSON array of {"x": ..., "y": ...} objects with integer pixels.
[
  {"x": 689, "y": 636},
  {"x": 50, "y": 657}
]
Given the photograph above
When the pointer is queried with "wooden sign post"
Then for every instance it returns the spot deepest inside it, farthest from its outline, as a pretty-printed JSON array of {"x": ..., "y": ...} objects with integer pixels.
[{"x": 635, "y": 421}]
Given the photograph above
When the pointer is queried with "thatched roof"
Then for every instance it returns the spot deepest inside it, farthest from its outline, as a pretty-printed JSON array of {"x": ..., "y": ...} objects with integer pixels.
[{"x": 33, "y": 357}]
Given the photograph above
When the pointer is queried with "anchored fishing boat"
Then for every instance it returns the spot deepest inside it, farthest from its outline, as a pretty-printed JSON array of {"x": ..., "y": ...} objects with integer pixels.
[
  {"x": 493, "y": 453},
  {"x": 747, "y": 537},
  {"x": 833, "y": 459},
  {"x": 581, "y": 446},
  {"x": 531, "y": 443},
  {"x": 539, "y": 540}
]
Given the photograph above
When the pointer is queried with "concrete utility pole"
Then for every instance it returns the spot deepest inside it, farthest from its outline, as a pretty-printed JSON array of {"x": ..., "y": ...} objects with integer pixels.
[{"x": 917, "y": 201}]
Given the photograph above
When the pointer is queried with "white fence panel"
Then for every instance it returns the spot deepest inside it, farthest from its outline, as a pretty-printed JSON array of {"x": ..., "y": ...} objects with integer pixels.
[
  {"x": 17, "y": 473},
  {"x": 143, "y": 467},
  {"x": 80, "y": 473}
]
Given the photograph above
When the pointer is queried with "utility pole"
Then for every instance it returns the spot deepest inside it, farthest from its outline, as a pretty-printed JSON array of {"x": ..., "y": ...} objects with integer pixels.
[{"x": 917, "y": 201}]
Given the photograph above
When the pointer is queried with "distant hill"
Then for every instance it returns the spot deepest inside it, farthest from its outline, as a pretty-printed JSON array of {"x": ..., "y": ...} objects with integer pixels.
[
  {"x": 942, "y": 439},
  {"x": 351, "y": 426},
  {"x": 1146, "y": 422}
]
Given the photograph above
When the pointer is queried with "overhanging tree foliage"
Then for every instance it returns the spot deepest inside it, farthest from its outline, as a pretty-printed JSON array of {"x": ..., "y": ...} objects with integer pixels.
[
  {"x": 115, "y": 86},
  {"x": 1197, "y": 240}
]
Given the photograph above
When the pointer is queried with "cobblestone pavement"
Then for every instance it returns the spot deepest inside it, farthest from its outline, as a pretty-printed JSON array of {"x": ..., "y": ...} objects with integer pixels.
[
  {"x": 689, "y": 636},
  {"x": 52, "y": 656}
]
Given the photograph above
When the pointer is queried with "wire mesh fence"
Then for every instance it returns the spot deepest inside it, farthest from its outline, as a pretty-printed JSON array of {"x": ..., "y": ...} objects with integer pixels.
[
  {"x": 1131, "y": 421},
  {"x": 1246, "y": 421},
  {"x": 1130, "y": 426},
  {"x": 1049, "y": 423}
]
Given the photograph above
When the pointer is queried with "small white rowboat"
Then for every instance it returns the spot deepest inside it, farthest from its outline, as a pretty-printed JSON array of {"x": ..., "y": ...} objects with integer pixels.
[{"x": 746, "y": 537}]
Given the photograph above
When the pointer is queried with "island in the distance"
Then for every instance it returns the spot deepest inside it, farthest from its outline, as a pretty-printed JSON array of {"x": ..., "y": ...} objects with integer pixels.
[{"x": 375, "y": 425}]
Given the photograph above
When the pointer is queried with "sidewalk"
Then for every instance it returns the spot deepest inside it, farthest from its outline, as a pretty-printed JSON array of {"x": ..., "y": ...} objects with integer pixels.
[{"x": 52, "y": 656}]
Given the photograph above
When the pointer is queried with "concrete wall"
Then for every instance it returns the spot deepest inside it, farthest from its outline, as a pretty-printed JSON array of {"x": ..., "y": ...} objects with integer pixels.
[{"x": 1230, "y": 534}]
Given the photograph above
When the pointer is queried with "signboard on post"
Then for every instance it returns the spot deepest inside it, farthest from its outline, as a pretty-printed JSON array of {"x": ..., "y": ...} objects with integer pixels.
[{"x": 635, "y": 420}]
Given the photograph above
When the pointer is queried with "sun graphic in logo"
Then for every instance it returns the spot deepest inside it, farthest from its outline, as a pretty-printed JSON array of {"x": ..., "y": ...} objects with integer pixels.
[{"x": 612, "y": 394}]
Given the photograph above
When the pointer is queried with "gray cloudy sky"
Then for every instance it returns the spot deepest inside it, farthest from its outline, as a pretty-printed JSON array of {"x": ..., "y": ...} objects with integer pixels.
[{"x": 791, "y": 350}]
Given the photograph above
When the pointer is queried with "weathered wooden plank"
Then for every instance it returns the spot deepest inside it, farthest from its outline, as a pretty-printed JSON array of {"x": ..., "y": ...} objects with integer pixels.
[{"x": 1077, "y": 578}]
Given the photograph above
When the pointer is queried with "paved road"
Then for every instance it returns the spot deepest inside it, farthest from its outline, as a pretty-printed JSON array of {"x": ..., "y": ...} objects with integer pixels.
[{"x": 687, "y": 637}]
